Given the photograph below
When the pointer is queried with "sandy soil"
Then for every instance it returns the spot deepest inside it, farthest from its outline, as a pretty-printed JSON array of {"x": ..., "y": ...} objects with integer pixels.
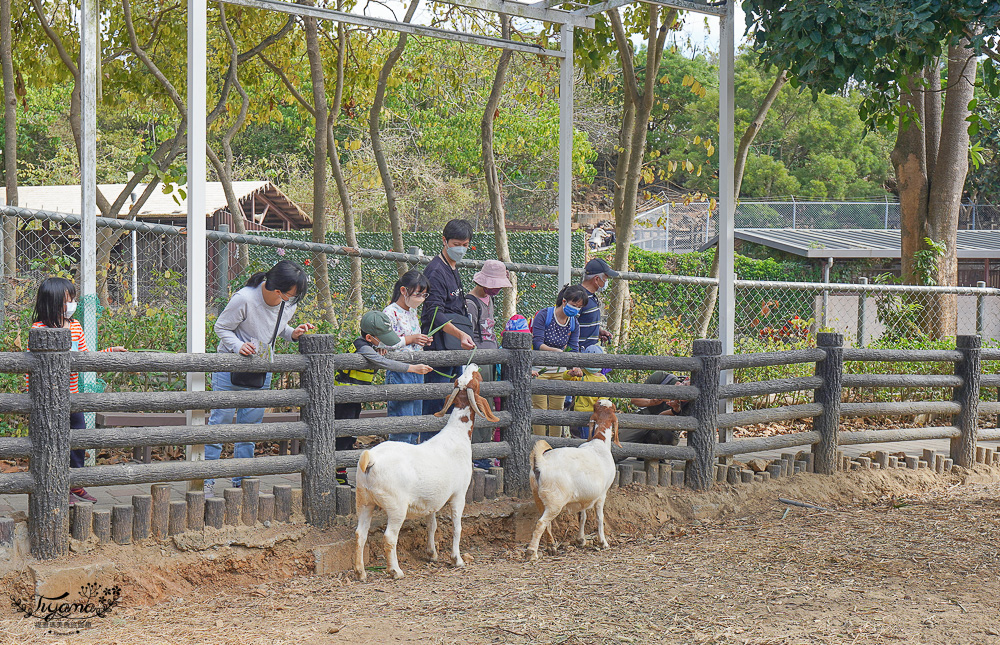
[{"x": 898, "y": 558}]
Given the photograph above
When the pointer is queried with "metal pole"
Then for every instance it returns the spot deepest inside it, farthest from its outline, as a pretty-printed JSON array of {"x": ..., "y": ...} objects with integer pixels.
[
  {"x": 666, "y": 219},
  {"x": 981, "y": 311},
  {"x": 566, "y": 156},
  {"x": 862, "y": 314},
  {"x": 886, "y": 212},
  {"x": 793, "y": 212},
  {"x": 135, "y": 268},
  {"x": 89, "y": 55},
  {"x": 197, "y": 53},
  {"x": 727, "y": 186},
  {"x": 826, "y": 292}
]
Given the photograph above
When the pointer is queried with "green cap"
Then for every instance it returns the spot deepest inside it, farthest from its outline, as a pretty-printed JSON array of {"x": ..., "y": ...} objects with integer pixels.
[{"x": 378, "y": 325}]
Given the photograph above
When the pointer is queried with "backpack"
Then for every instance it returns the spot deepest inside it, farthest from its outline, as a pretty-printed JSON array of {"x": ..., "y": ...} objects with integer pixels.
[
  {"x": 550, "y": 313},
  {"x": 478, "y": 335}
]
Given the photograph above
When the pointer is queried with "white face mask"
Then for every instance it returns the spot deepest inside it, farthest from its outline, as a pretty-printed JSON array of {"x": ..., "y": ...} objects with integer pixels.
[{"x": 69, "y": 310}]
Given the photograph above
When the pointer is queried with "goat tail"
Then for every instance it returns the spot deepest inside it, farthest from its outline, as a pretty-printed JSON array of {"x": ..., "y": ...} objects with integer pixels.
[
  {"x": 365, "y": 463},
  {"x": 541, "y": 447}
]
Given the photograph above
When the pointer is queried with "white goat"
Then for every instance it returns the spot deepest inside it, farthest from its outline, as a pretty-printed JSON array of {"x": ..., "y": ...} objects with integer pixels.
[
  {"x": 575, "y": 478},
  {"x": 411, "y": 481}
]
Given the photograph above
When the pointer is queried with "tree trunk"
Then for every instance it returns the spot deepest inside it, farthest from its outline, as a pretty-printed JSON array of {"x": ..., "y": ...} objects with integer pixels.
[
  {"x": 948, "y": 181},
  {"x": 909, "y": 158},
  {"x": 625, "y": 220},
  {"x": 321, "y": 271},
  {"x": 354, "y": 298},
  {"x": 932, "y": 115},
  {"x": 9, "y": 148},
  {"x": 712, "y": 293},
  {"x": 493, "y": 186},
  {"x": 373, "y": 127}
]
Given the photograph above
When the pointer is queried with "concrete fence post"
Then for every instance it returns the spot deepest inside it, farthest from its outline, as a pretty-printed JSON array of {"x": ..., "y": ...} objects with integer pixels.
[
  {"x": 699, "y": 472},
  {"x": 48, "y": 429},
  {"x": 831, "y": 370},
  {"x": 319, "y": 480},
  {"x": 963, "y": 447},
  {"x": 518, "y": 434}
]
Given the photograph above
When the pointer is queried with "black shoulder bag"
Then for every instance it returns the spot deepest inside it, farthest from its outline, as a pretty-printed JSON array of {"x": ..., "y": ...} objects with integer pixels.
[{"x": 256, "y": 379}]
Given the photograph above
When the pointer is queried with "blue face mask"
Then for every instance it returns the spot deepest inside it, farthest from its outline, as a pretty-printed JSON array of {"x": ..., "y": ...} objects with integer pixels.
[{"x": 570, "y": 310}]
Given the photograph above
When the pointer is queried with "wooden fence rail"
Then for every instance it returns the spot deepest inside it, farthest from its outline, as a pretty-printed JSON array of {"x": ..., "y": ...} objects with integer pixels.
[{"x": 48, "y": 404}]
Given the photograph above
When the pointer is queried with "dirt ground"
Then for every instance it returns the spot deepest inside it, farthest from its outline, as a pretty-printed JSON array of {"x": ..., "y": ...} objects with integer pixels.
[{"x": 899, "y": 557}]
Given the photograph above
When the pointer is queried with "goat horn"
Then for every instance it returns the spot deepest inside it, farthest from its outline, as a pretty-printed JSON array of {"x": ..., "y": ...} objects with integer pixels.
[
  {"x": 472, "y": 401},
  {"x": 447, "y": 403}
]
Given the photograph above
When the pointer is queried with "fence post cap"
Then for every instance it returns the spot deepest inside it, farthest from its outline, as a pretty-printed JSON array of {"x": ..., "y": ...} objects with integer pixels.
[
  {"x": 47, "y": 339},
  {"x": 317, "y": 344},
  {"x": 516, "y": 340},
  {"x": 706, "y": 347},
  {"x": 968, "y": 342},
  {"x": 829, "y": 339}
]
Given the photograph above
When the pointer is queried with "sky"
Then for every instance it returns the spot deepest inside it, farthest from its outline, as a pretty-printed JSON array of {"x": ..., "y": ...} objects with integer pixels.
[{"x": 702, "y": 31}]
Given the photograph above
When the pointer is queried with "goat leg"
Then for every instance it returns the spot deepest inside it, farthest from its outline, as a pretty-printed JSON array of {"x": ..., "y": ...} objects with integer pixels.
[
  {"x": 392, "y": 526},
  {"x": 457, "y": 507},
  {"x": 599, "y": 511},
  {"x": 583, "y": 523},
  {"x": 364, "y": 523},
  {"x": 432, "y": 552}
]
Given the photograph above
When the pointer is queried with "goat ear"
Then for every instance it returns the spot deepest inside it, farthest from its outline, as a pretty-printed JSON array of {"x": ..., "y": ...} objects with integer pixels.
[
  {"x": 614, "y": 433},
  {"x": 447, "y": 404},
  {"x": 484, "y": 408}
]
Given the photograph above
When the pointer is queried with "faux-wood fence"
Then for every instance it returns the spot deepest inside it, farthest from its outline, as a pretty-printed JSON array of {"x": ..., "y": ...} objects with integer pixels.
[{"x": 48, "y": 404}]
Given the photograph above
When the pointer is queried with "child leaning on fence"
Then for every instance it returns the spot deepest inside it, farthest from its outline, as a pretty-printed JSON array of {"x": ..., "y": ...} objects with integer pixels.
[
  {"x": 582, "y": 403},
  {"x": 408, "y": 294},
  {"x": 376, "y": 330},
  {"x": 54, "y": 307}
]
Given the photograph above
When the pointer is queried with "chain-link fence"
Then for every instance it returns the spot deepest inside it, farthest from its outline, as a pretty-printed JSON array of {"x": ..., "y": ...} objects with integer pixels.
[
  {"x": 678, "y": 227},
  {"x": 146, "y": 268},
  {"x": 149, "y": 267}
]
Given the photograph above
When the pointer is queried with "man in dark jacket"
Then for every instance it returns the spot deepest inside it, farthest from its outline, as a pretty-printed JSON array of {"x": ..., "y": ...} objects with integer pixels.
[
  {"x": 446, "y": 298},
  {"x": 658, "y": 406}
]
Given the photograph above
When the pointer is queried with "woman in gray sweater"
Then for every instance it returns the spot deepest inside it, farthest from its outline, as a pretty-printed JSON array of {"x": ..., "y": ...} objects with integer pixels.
[{"x": 256, "y": 314}]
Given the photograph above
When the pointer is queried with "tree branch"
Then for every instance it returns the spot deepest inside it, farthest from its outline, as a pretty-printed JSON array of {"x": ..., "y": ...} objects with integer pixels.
[
  {"x": 625, "y": 54},
  {"x": 288, "y": 84}
]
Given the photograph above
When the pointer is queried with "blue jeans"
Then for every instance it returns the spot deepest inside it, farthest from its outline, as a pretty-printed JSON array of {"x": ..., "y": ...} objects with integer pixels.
[
  {"x": 242, "y": 449},
  {"x": 405, "y": 408}
]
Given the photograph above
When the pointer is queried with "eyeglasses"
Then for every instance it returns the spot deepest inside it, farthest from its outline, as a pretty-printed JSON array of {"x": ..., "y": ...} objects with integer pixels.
[
  {"x": 284, "y": 296},
  {"x": 419, "y": 296}
]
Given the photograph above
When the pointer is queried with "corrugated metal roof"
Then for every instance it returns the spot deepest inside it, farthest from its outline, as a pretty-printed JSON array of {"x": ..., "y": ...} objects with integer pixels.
[{"x": 857, "y": 243}]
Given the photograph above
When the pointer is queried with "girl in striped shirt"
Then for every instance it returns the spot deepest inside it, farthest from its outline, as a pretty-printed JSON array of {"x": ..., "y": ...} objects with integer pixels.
[{"x": 54, "y": 307}]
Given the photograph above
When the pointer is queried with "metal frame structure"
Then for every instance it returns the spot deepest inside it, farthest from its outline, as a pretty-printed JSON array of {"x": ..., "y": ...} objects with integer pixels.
[{"x": 579, "y": 15}]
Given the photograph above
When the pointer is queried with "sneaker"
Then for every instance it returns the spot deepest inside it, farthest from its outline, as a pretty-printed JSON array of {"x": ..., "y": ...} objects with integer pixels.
[
  {"x": 342, "y": 476},
  {"x": 237, "y": 483},
  {"x": 209, "y": 488},
  {"x": 82, "y": 495},
  {"x": 72, "y": 500}
]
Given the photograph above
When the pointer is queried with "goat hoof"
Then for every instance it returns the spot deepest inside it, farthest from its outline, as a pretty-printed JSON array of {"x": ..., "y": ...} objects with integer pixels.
[
  {"x": 605, "y": 545},
  {"x": 532, "y": 556},
  {"x": 432, "y": 556},
  {"x": 396, "y": 574},
  {"x": 583, "y": 543},
  {"x": 362, "y": 575},
  {"x": 459, "y": 562}
]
